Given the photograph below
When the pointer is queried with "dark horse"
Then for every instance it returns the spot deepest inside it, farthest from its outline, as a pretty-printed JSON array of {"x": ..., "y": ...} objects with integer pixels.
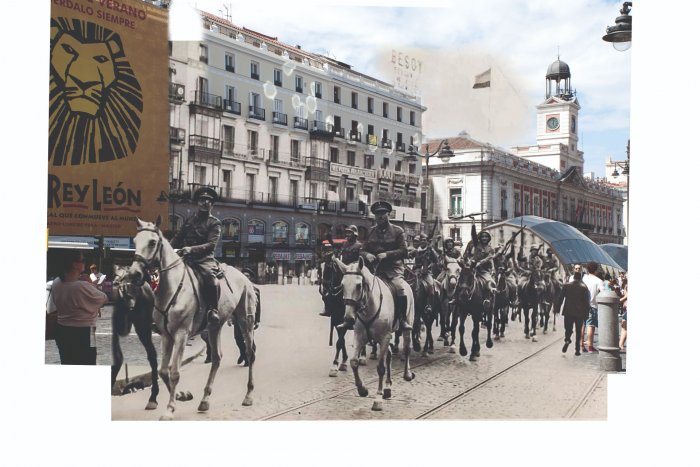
[
  {"x": 427, "y": 308},
  {"x": 472, "y": 299},
  {"x": 530, "y": 295},
  {"x": 331, "y": 289},
  {"x": 551, "y": 296},
  {"x": 501, "y": 304},
  {"x": 133, "y": 305}
]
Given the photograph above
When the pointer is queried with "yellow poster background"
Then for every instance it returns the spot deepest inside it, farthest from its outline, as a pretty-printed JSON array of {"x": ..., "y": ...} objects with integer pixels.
[{"x": 108, "y": 116}]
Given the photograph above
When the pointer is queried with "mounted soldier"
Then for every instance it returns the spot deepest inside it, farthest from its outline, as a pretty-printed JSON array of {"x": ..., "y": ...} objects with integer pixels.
[
  {"x": 533, "y": 263},
  {"x": 386, "y": 248},
  {"x": 351, "y": 249},
  {"x": 482, "y": 254},
  {"x": 196, "y": 241},
  {"x": 426, "y": 258}
]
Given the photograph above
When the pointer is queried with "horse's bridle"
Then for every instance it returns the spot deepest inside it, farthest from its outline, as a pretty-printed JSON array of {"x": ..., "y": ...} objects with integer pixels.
[{"x": 150, "y": 262}]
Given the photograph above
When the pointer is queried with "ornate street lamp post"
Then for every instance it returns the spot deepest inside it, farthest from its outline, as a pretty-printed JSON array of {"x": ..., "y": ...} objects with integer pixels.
[
  {"x": 445, "y": 154},
  {"x": 620, "y": 35},
  {"x": 625, "y": 166}
]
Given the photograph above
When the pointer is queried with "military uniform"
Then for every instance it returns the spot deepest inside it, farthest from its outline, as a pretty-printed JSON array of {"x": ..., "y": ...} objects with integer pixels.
[
  {"x": 200, "y": 234},
  {"x": 482, "y": 252},
  {"x": 350, "y": 252}
]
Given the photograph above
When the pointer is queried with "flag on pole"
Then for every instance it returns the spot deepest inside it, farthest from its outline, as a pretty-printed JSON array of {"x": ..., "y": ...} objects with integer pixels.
[{"x": 483, "y": 80}]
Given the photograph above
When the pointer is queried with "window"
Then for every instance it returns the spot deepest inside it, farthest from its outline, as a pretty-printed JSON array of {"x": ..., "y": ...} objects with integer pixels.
[
  {"x": 527, "y": 204},
  {"x": 370, "y": 129},
  {"x": 256, "y": 231},
  {"x": 201, "y": 175},
  {"x": 231, "y": 230},
  {"x": 230, "y": 62},
  {"x": 277, "y": 76},
  {"x": 313, "y": 190},
  {"x": 516, "y": 204},
  {"x": 230, "y": 103},
  {"x": 294, "y": 190},
  {"x": 397, "y": 167},
  {"x": 299, "y": 83},
  {"x": 369, "y": 161},
  {"x": 385, "y": 163},
  {"x": 385, "y": 109},
  {"x": 252, "y": 142},
  {"x": 399, "y": 114},
  {"x": 272, "y": 190},
  {"x": 295, "y": 150},
  {"x": 226, "y": 183},
  {"x": 302, "y": 231},
  {"x": 318, "y": 90},
  {"x": 203, "y": 53},
  {"x": 351, "y": 158},
  {"x": 455, "y": 201},
  {"x": 229, "y": 138},
  {"x": 349, "y": 193},
  {"x": 336, "y": 94},
  {"x": 412, "y": 168},
  {"x": 455, "y": 233},
  {"x": 202, "y": 85},
  {"x": 353, "y": 100},
  {"x": 254, "y": 70},
  {"x": 255, "y": 109},
  {"x": 370, "y": 105},
  {"x": 274, "y": 148},
  {"x": 537, "y": 205},
  {"x": 412, "y": 118},
  {"x": 334, "y": 155},
  {"x": 278, "y": 115}
]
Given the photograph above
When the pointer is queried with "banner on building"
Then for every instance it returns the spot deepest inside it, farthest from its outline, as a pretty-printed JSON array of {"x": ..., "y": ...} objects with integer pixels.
[
  {"x": 108, "y": 116},
  {"x": 482, "y": 80}
]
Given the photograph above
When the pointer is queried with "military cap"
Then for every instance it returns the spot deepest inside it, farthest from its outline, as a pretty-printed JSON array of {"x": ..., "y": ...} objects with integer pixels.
[
  {"x": 449, "y": 239},
  {"x": 484, "y": 233},
  {"x": 205, "y": 191},
  {"x": 422, "y": 236},
  {"x": 379, "y": 207},
  {"x": 351, "y": 228}
]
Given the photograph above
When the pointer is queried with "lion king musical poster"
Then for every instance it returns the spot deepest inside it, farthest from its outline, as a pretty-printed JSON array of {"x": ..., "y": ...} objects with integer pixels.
[{"x": 108, "y": 116}]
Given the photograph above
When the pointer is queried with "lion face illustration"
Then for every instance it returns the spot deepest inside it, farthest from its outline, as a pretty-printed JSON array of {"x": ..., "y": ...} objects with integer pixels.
[{"x": 95, "y": 99}]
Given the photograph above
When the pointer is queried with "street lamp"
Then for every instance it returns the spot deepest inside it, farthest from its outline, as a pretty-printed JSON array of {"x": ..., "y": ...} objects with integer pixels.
[
  {"x": 625, "y": 166},
  {"x": 445, "y": 154},
  {"x": 620, "y": 35}
]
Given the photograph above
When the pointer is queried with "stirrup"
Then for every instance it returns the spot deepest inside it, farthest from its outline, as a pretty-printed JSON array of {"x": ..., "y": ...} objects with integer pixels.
[
  {"x": 213, "y": 316},
  {"x": 345, "y": 325}
]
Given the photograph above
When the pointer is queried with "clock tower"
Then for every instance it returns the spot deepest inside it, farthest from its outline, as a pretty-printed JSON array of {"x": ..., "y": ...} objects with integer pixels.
[{"x": 557, "y": 123}]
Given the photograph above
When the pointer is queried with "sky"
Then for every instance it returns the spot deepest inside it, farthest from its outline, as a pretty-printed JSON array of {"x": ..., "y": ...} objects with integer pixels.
[{"x": 451, "y": 42}]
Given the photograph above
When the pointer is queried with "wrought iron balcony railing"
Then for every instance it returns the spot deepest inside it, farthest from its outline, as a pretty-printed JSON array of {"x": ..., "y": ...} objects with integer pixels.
[
  {"x": 301, "y": 123},
  {"x": 232, "y": 107},
  {"x": 257, "y": 113},
  {"x": 279, "y": 118},
  {"x": 208, "y": 100}
]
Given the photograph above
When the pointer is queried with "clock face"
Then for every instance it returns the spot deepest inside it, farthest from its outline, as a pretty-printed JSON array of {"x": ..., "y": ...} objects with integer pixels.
[{"x": 553, "y": 123}]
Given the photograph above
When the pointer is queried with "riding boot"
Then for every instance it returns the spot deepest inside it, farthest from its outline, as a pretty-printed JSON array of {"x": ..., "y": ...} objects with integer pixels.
[
  {"x": 211, "y": 297},
  {"x": 346, "y": 325},
  {"x": 402, "y": 303}
]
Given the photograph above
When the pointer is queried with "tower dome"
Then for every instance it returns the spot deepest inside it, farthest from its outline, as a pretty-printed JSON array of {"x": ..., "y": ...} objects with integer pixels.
[{"x": 558, "y": 70}]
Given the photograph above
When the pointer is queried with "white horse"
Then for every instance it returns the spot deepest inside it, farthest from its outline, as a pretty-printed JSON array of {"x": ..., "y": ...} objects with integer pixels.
[
  {"x": 179, "y": 309},
  {"x": 369, "y": 299}
]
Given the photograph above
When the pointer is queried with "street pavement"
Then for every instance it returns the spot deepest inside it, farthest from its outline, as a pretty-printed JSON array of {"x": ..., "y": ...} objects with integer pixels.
[{"x": 293, "y": 360}]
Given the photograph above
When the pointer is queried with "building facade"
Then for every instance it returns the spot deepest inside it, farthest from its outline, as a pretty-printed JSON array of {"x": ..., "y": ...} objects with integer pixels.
[
  {"x": 296, "y": 144},
  {"x": 544, "y": 180}
]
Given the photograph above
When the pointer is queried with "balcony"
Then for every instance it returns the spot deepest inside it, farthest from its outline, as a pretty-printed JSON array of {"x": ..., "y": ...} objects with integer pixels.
[
  {"x": 204, "y": 59},
  {"x": 278, "y": 82},
  {"x": 243, "y": 151},
  {"x": 258, "y": 113},
  {"x": 355, "y": 136},
  {"x": 386, "y": 143},
  {"x": 204, "y": 99},
  {"x": 317, "y": 169},
  {"x": 454, "y": 212},
  {"x": 372, "y": 139},
  {"x": 338, "y": 132},
  {"x": 321, "y": 130},
  {"x": 255, "y": 75},
  {"x": 413, "y": 179},
  {"x": 385, "y": 174},
  {"x": 401, "y": 146},
  {"x": 230, "y": 68},
  {"x": 279, "y": 118},
  {"x": 204, "y": 149},
  {"x": 301, "y": 123},
  {"x": 177, "y": 135},
  {"x": 232, "y": 107},
  {"x": 299, "y": 89},
  {"x": 176, "y": 93}
]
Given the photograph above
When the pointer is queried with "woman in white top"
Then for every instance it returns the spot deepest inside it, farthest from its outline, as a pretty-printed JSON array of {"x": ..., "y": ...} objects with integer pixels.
[{"x": 78, "y": 303}]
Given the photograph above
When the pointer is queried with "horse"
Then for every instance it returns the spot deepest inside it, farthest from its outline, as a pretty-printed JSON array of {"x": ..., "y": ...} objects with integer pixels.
[
  {"x": 550, "y": 297},
  {"x": 369, "y": 298},
  {"x": 448, "y": 296},
  {"x": 331, "y": 288},
  {"x": 530, "y": 295},
  {"x": 427, "y": 309},
  {"x": 501, "y": 304},
  {"x": 179, "y": 311},
  {"x": 472, "y": 299},
  {"x": 133, "y": 306}
]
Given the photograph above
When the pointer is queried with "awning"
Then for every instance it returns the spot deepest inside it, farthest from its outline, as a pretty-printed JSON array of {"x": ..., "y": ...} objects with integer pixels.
[{"x": 70, "y": 245}]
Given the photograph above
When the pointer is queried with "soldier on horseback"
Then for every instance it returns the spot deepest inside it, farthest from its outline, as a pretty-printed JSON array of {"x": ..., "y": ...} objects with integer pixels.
[
  {"x": 450, "y": 250},
  {"x": 196, "y": 241},
  {"x": 386, "y": 245},
  {"x": 426, "y": 257},
  {"x": 528, "y": 266},
  {"x": 482, "y": 254},
  {"x": 351, "y": 249}
]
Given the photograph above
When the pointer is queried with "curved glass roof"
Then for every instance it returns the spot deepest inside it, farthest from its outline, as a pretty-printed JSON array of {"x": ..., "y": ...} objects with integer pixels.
[
  {"x": 617, "y": 252},
  {"x": 570, "y": 245}
]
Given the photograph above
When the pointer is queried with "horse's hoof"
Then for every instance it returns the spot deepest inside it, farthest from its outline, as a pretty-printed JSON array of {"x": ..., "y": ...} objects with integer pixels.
[
  {"x": 152, "y": 405},
  {"x": 416, "y": 346},
  {"x": 495, "y": 337},
  {"x": 534, "y": 339},
  {"x": 203, "y": 406},
  {"x": 431, "y": 351},
  {"x": 502, "y": 335},
  {"x": 424, "y": 354},
  {"x": 453, "y": 349},
  {"x": 476, "y": 354},
  {"x": 362, "y": 391},
  {"x": 167, "y": 416},
  {"x": 363, "y": 361},
  {"x": 333, "y": 373},
  {"x": 377, "y": 406},
  {"x": 248, "y": 401},
  {"x": 463, "y": 352},
  {"x": 387, "y": 393},
  {"x": 344, "y": 366},
  {"x": 472, "y": 358},
  {"x": 410, "y": 377},
  {"x": 489, "y": 343},
  {"x": 446, "y": 343}
]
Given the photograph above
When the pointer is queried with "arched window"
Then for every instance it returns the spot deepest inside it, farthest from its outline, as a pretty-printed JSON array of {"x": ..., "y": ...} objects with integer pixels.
[
  {"x": 256, "y": 231},
  {"x": 280, "y": 233},
  {"x": 302, "y": 233},
  {"x": 231, "y": 230}
]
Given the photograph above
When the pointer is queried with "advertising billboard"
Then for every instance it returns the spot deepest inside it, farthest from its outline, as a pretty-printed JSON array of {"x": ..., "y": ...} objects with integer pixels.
[{"x": 108, "y": 116}]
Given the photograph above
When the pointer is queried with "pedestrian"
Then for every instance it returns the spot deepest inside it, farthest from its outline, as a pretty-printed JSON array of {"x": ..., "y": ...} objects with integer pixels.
[
  {"x": 196, "y": 241},
  {"x": 623, "y": 318},
  {"x": 78, "y": 303},
  {"x": 595, "y": 285},
  {"x": 96, "y": 277},
  {"x": 576, "y": 309}
]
